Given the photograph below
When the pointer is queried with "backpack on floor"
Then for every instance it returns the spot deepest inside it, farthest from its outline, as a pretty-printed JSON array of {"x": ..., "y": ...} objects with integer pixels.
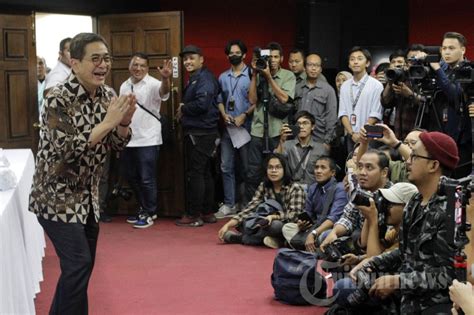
[{"x": 295, "y": 279}]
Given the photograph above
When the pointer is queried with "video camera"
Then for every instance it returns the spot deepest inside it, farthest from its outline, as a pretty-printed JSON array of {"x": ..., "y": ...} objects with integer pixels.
[
  {"x": 464, "y": 73},
  {"x": 263, "y": 58}
]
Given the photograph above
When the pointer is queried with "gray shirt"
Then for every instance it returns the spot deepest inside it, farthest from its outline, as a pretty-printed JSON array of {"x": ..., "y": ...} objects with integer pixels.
[
  {"x": 320, "y": 100},
  {"x": 293, "y": 151}
]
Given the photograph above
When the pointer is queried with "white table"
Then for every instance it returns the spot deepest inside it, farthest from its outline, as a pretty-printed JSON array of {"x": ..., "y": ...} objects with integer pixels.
[{"x": 22, "y": 240}]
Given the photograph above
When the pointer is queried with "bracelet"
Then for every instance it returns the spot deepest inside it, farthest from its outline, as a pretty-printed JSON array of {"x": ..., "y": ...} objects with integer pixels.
[
  {"x": 125, "y": 125},
  {"x": 398, "y": 145}
]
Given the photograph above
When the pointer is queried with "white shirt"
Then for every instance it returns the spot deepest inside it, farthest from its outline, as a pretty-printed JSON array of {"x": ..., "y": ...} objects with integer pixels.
[
  {"x": 368, "y": 104},
  {"x": 58, "y": 75},
  {"x": 146, "y": 129}
]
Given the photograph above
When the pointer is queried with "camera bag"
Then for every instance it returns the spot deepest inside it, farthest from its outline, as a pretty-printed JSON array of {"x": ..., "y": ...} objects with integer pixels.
[
  {"x": 295, "y": 279},
  {"x": 280, "y": 110}
]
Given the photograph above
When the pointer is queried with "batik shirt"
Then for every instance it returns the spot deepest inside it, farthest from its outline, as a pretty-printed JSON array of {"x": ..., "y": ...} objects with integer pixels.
[
  {"x": 68, "y": 169},
  {"x": 424, "y": 259}
]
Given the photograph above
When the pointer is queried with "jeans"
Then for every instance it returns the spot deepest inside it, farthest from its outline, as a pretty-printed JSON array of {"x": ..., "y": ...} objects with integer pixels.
[
  {"x": 140, "y": 165},
  {"x": 256, "y": 163},
  {"x": 199, "y": 182},
  {"x": 228, "y": 167},
  {"x": 274, "y": 230},
  {"x": 75, "y": 245}
]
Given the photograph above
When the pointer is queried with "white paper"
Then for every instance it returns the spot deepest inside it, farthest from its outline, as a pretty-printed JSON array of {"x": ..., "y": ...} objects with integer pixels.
[{"x": 238, "y": 135}]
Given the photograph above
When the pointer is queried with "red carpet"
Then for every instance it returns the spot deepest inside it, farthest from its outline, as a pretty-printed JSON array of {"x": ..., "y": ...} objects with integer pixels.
[{"x": 173, "y": 270}]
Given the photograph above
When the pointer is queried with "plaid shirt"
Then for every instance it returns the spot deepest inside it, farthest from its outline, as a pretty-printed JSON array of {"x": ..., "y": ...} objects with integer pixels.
[
  {"x": 293, "y": 197},
  {"x": 68, "y": 170},
  {"x": 352, "y": 219}
]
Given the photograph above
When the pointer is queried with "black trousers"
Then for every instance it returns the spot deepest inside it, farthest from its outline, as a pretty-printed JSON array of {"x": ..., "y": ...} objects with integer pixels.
[
  {"x": 75, "y": 245},
  {"x": 199, "y": 180}
]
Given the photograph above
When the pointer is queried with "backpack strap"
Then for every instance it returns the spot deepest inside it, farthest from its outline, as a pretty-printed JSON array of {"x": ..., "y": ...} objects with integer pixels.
[{"x": 329, "y": 201}]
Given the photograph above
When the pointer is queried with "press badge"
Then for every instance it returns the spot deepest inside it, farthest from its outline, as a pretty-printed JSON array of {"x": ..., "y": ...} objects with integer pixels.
[
  {"x": 353, "y": 120},
  {"x": 445, "y": 115}
]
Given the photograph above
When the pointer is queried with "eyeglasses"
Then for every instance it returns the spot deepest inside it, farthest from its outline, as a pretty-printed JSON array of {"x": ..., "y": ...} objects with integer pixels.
[
  {"x": 304, "y": 123},
  {"x": 274, "y": 168},
  {"x": 316, "y": 65},
  {"x": 413, "y": 157},
  {"x": 97, "y": 60}
]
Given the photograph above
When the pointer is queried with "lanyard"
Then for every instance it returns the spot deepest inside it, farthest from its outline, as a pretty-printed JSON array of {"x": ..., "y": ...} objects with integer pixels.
[
  {"x": 354, "y": 102},
  {"x": 236, "y": 82}
]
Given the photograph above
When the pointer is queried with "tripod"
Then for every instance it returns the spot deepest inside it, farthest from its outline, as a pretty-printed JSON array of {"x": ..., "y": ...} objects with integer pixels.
[{"x": 266, "y": 103}]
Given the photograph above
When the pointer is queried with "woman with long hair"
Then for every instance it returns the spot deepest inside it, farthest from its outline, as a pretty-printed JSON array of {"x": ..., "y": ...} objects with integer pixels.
[{"x": 276, "y": 201}]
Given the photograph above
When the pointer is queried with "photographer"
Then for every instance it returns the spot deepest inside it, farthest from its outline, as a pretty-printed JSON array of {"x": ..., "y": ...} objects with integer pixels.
[
  {"x": 319, "y": 98},
  {"x": 398, "y": 172},
  {"x": 449, "y": 113},
  {"x": 303, "y": 151},
  {"x": 399, "y": 96},
  {"x": 359, "y": 100},
  {"x": 325, "y": 202},
  {"x": 256, "y": 225},
  {"x": 424, "y": 260},
  {"x": 390, "y": 204},
  {"x": 281, "y": 87},
  {"x": 372, "y": 174}
]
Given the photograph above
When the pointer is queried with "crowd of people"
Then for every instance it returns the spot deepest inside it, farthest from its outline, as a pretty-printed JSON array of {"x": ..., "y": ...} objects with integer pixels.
[{"x": 285, "y": 138}]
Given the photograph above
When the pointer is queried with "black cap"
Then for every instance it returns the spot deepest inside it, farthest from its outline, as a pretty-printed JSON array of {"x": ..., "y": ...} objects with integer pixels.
[{"x": 190, "y": 49}]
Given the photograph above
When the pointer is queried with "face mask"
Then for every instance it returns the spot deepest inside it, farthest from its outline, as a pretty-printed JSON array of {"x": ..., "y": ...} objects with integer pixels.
[{"x": 235, "y": 60}]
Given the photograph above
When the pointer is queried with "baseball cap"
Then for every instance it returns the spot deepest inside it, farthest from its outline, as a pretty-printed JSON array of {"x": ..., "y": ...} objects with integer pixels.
[
  {"x": 399, "y": 193},
  {"x": 190, "y": 49}
]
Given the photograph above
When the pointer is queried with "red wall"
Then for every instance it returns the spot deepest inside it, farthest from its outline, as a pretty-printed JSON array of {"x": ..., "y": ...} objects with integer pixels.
[
  {"x": 210, "y": 24},
  {"x": 430, "y": 19}
]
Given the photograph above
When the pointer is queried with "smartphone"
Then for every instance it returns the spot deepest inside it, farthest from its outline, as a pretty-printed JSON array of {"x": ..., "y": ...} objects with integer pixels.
[
  {"x": 295, "y": 130},
  {"x": 374, "y": 131},
  {"x": 304, "y": 216}
]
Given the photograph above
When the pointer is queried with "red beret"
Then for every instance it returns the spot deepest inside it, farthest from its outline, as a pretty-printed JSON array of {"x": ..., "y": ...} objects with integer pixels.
[{"x": 441, "y": 147}]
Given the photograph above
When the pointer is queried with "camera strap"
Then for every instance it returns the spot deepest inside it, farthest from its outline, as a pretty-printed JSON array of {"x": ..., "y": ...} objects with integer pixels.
[
  {"x": 145, "y": 109},
  {"x": 304, "y": 159},
  {"x": 362, "y": 85}
]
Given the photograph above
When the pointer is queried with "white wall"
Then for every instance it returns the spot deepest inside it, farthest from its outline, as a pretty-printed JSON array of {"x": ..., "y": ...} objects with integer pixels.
[{"x": 52, "y": 28}]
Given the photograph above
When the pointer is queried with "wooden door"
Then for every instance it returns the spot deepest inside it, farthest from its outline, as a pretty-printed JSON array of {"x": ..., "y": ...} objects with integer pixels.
[
  {"x": 18, "y": 83},
  {"x": 160, "y": 36}
]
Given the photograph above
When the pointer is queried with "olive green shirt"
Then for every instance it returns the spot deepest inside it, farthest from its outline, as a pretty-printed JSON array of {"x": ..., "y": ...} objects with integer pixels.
[{"x": 286, "y": 80}]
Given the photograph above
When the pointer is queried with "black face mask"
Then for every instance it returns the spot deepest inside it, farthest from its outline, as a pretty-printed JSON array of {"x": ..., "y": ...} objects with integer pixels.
[{"x": 235, "y": 60}]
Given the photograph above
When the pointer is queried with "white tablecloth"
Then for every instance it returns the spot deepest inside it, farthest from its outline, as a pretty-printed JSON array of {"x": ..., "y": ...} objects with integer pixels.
[{"x": 22, "y": 240}]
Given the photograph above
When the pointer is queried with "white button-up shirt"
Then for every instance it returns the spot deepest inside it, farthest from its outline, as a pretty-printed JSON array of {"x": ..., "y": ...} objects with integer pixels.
[{"x": 146, "y": 128}]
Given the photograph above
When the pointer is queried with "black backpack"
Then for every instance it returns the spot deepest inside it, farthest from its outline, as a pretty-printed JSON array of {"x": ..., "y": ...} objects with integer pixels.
[{"x": 295, "y": 279}]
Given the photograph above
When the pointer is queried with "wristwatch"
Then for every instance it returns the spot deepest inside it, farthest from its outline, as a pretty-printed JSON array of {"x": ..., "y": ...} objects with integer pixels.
[{"x": 315, "y": 233}]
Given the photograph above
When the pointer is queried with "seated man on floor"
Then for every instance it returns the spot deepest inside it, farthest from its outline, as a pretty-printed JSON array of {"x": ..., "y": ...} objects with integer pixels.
[
  {"x": 380, "y": 234},
  {"x": 372, "y": 174},
  {"x": 325, "y": 203},
  {"x": 302, "y": 151},
  {"x": 277, "y": 200}
]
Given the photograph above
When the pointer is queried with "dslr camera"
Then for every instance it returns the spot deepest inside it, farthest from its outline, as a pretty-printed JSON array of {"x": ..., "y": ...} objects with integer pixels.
[
  {"x": 335, "y": 250},
  {"x": 263, "y": 58},
  {"x": 396, "y": 75},
  {"x": 361, "y": 294},
  {"x": 119, "y": 191},
  {"x": 360, "y": 197}
]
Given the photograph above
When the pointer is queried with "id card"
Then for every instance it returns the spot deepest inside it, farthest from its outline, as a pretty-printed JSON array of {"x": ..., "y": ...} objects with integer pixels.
[
  {"x": 445, "y": 115},
  {"x": 353, "y": 120}
]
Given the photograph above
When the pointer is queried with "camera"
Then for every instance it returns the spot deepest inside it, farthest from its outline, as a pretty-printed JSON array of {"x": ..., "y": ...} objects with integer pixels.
[
  {"x": 263, "y": 57},
  {"x": 119, "y": 191},
  {"x": 364, "y": 282},
  {"x": 396, "y": 75},
  {"x": 335, "y": 250},
  {"x": 360, "y": 197}
]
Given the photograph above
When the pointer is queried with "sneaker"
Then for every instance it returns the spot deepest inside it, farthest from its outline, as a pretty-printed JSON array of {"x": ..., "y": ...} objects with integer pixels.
[
  {"x": 225, "y": 211},
  {"x": 189, "y": 221},
  {"x": 153, "y": 216},
  {"x": 209, "y": 218},
  {"x": 143, "y": 222},
  {"x": 271, "y": 242},
  {"x": 132, "y": 219}
]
